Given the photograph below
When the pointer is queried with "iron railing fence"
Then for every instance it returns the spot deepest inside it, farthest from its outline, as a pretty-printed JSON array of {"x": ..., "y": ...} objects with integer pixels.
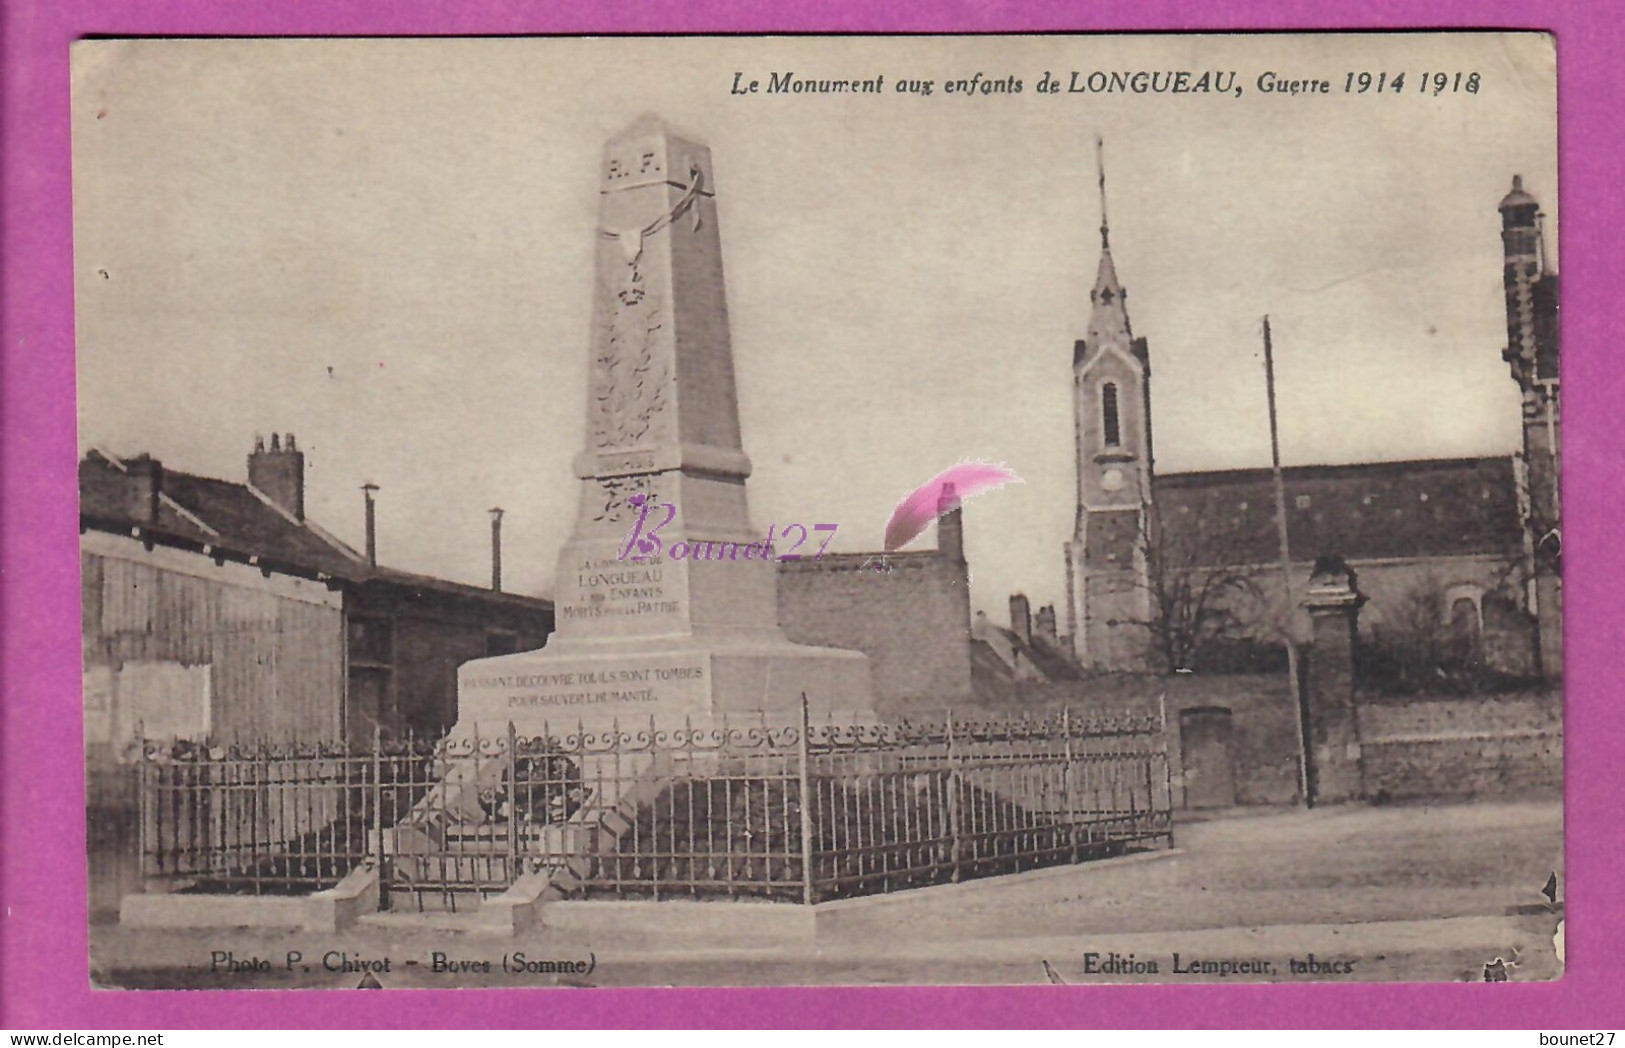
[{"x": 699, "y": 810}]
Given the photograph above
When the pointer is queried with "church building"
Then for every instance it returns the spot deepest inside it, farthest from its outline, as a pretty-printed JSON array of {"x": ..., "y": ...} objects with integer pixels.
[{"x": 1474, "y": 541}]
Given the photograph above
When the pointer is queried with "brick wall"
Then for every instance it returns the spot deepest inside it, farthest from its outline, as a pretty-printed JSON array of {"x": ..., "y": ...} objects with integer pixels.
[
  {"x": 913, "y": 621},
  {"x": 1471, "y": 747}
]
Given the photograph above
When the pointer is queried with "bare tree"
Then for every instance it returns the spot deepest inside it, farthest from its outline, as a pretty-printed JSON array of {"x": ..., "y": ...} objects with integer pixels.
[
  {"x": 1424, "y": 646},
  {"x": 1193, "y": 606}
]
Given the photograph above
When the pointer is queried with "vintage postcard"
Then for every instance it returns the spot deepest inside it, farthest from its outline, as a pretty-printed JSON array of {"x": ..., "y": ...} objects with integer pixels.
[{"x": 820, "y": 510}]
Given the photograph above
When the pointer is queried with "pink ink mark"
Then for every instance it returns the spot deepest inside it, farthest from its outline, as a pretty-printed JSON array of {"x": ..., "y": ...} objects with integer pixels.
[{"x": 940, "y": 494}]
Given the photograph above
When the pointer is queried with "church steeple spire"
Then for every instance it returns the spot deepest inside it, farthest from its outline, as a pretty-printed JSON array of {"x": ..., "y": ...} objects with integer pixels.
[
  {"x": 1108, "y": 320},
  {"x": 1107, "y": 587},
  {"x": 1100, "y": 166}
]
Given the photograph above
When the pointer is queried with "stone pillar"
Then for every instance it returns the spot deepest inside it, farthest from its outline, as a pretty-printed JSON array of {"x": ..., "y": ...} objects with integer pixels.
[
  {"x": 1331, "y": 729},
  {"x": 1549, "y": 616}
]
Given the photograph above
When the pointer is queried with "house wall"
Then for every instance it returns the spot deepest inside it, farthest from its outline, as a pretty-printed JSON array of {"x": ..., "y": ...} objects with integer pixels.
[
  {"x": 273, "y": 646},
  {"x": 1389, "y": 586},
  {"x": 175, "y": 645},
  {"x": 431, "y": 633}
]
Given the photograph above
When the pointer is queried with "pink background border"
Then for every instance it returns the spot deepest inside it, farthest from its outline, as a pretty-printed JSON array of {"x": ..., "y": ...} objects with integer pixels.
[{"x": 42, "y": 928}]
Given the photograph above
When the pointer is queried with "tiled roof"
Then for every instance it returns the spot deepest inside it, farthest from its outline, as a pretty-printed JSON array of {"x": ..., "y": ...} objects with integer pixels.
[
  {"x": 1365, "y": 511},
  {"x": 225, "y": 516},
  {"x": 235, "y": 522}
]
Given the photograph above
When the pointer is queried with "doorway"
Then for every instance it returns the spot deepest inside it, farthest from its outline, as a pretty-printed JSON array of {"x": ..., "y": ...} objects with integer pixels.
[{"x": 1205, "y": 745}]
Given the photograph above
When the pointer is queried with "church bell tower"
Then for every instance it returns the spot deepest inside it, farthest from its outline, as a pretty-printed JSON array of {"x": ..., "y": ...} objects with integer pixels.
[
  {"x": 1532, "y": 354},
  {"x": 1107, "y": 599}
]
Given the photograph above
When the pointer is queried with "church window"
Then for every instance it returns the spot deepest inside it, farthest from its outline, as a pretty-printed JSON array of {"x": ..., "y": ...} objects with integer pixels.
[
  {"x": 1109, "y": 425},
  {"x": 1464, "y": 622},
  {"x": 1464, "y": 618}
]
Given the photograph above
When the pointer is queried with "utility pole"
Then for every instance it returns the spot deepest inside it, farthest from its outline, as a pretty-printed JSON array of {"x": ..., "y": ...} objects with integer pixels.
[{"x": 1286, "y": 570}]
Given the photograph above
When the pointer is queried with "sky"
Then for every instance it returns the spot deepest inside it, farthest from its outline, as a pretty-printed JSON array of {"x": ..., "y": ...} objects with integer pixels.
[{"x": 385, "y": 247}]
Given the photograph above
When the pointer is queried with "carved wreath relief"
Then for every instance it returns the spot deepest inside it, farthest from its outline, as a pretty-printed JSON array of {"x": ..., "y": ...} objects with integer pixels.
[{"x": 629, "y": 385}]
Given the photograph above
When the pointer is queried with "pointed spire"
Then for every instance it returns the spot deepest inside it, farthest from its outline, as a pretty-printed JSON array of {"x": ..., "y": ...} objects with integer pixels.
[
  {"x": 1100, "y": 167},
  {"x": 1108, "y": 319}
]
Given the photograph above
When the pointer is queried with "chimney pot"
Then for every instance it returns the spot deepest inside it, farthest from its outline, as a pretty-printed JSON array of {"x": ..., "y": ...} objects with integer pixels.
[
  {"x": 950, "y": 524},
  {"x": 1021, "y": 622},
  {"x": 1046, "y": 624},
  {"x": 279, "y": 474},
  {"x": 144, "y": 479}
]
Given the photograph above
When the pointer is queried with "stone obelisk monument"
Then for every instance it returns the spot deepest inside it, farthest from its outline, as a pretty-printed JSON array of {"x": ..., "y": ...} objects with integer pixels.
[{"x": 690, "y": 627}]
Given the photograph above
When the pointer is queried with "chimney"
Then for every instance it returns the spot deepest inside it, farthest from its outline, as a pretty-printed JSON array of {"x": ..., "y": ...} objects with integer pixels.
[
  {"x": 372, "y": 523},
  {"x": 144, "y": 482},
  {"x": 950, "y": 525},
  {"x": 1021, "y": 621},
  {"x": 1046, "y": 625},
  {"x": 496, "y": 548},
  {"x": 279, "y": 474}
]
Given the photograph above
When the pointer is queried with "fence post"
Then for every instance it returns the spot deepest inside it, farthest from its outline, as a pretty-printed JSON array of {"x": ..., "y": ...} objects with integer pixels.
[
  {"x": 513, "y": 803},
  {"x": 953, "y": 797},
  {"x": 143, "y": 794},
  {"x": 1066, "y": 779},
  {"x": 1167, "y": 763},
  {"x": 378, "y": 813},
  {"x": 806, "y": 805}
]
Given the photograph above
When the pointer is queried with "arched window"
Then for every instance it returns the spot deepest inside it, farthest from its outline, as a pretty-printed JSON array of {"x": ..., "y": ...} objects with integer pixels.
[
  {"x": 1110, "y": 431},
  {"x": 1465, "y": 623}
]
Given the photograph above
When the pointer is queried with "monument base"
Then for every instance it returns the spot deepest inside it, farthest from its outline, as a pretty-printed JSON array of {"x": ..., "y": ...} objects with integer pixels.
[{"x": 666, "y": 680}]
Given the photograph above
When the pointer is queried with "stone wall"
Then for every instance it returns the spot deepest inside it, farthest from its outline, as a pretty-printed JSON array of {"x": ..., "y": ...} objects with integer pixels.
[
  {"x": 912, "y": 618},
  {"x": 1264, "y": 743},
  {"x": 1411, "y": 747},
  {"x": 1493, "y": 746}
]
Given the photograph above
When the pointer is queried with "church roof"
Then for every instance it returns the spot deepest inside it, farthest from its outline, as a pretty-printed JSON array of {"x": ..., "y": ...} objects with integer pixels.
[{"x": 1361, "y": 511}]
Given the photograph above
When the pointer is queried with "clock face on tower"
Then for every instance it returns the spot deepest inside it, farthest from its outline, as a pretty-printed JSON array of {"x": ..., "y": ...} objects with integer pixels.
[{"x": 1112, "y": 479}]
